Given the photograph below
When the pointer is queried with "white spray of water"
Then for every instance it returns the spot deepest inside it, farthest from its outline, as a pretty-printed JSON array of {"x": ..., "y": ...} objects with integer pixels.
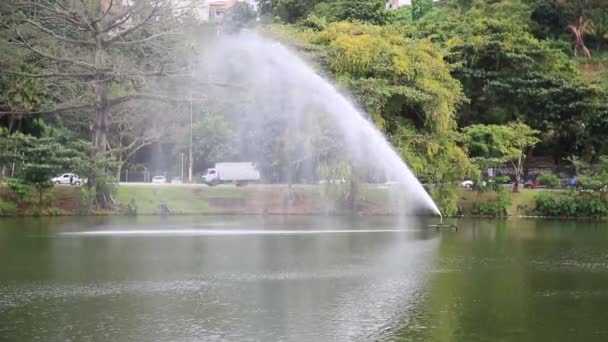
[{"x": 279, "y": 81}]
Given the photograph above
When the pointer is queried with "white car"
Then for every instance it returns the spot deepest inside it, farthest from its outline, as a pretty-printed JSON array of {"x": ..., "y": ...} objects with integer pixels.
[
  {"x": 159, "y": 180},
  {"x": 67, "y": 178},
  {"x": 176, "y": 180},
  {"x": 467, "y": 184}
]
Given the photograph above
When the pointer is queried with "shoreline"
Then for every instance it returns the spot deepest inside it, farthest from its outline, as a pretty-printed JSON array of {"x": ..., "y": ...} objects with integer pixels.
[{"x": 273, "y": 200}]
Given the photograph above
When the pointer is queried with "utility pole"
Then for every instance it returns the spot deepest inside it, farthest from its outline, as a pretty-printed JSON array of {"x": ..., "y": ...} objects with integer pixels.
[
  {"x": 182, "y": 174},
  {"x": 190, "y": 152}
]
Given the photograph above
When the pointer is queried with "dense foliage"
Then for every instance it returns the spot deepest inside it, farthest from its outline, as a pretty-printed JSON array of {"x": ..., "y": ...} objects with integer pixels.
[
  {"x": 571, "y": 204},
  {"x": 406, "y": 87},
  {"x": 457, "y": 86}
]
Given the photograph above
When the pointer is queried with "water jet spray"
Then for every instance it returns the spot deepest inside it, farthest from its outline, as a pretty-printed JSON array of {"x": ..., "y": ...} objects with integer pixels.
[{"x": 284, "y": 105}]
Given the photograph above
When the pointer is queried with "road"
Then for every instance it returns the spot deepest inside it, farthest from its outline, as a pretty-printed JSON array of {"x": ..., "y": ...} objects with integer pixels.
[{"x": 250, "y": 185}]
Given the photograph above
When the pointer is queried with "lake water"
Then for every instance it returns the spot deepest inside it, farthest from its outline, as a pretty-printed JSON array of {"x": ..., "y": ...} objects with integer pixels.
[{"x": 301, "y": 279}]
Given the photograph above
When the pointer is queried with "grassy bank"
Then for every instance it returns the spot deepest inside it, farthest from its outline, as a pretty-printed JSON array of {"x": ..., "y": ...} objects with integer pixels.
[
  {"x": 522, "y": 202},
  {"x": 148, "y": 199},
  {"x": 272, "y": 199}
]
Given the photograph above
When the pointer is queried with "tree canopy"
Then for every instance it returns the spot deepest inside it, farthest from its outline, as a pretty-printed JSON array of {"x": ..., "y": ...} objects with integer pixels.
[{"x": 447, "y": 82}]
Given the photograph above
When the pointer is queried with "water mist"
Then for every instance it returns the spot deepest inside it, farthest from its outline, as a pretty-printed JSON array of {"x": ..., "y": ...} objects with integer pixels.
[{"x": 280, "y": 106}]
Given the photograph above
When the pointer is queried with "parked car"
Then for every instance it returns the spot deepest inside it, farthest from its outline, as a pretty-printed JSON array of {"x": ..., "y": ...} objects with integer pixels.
[
  {"x": 533, "y": 184},
  {"x": 176, "y": 180},
  {"x": 467, "y": 184},
  {"x": 159, "y": 180},
  {"x": 67, "y": 178}
]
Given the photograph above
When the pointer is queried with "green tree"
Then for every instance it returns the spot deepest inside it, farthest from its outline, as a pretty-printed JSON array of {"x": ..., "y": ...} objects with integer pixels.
[
  {"x": 213, "y": 141},
  {"x": 420, "y": 8},
  {"x": 288, "y": 11},
  {"x": 9, "y": 155},
  {"x": 510, "y": 143},
  {"x": 406, "y": 87},
  {"x": 85, "y": 48},
  {"x": 43, "y": 159},
  {"x": 21, "y": 94},
  {"x": 369, "y": 11},
  {"x": 240, "y": 16},
  {"x": 510, "y": 75}
]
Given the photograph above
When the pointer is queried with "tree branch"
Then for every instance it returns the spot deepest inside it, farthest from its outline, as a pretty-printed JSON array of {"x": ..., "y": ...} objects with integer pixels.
[
  {"x": 134, "y": 27},
  {"x": 50, "y": 111},
  {"x": 144, "y": 143},
  {"x": 84, "y": 75},
  {"x": 104, "y": 14},
  {"x": 68, "y": 15},
  {"x": 130, "y": 42},
  {"x": 120, "y": 20},
  {"x": 55, "y": 58},
  {"x": 57, "y": 36},
  {"x": 111, "y": 103}
]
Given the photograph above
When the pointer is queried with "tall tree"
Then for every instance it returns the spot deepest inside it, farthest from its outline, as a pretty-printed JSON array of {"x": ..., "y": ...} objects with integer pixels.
[
  {"x": 406, "y": 87},
  {"x": 85, "y": 47},
  {"x": 42, "y": 159},
  {"x": 240, "y": 16},
  {"x": 509, "y": 75},
  {"x": 511, "y": 143},
  {"x": 213, "y": 141}
]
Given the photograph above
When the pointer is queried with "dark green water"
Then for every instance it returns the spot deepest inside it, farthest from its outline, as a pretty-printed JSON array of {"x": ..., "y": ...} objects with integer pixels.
[{"x": 301, "y": 279}]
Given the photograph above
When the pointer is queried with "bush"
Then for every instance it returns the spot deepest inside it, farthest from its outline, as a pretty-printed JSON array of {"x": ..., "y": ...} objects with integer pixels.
[
  {"x": 86, "y": 201},
  {"x": 54, "y": 212},
  {"x": 315, "y": 22},
  {"x": 34, "y": 211},
  {"x": 7, "y": 209},
  {"x": 502, "y": 179},
  {"x": 592, "y": 208},
  {"x": 495, "y": 208},
  {"x": 47, "y": 200},
  {"x": 590, "y": 183},
  {"x": 132, "y": 207},
  {"x": 570, "y": 204},
  {"x": 549, "y": 180},
  {"x": 19, "y": 191}
]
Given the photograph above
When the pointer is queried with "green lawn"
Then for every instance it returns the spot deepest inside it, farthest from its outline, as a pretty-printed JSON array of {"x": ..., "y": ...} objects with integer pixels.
[
  {"x": 522, "y": 202},
  {"x": 252, "y": 199},
  {"x": 179, "y": 199}
]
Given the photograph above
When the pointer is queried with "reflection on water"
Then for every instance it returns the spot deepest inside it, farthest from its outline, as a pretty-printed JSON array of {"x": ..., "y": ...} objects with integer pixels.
[
  {"x": 301, "y": 279},
  {"x": 221, "y": 232},
  {"x": 192, "y": 279}
]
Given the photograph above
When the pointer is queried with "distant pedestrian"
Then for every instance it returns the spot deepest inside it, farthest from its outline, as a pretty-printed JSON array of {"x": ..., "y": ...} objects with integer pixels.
[{"x": 71, "y": 179}]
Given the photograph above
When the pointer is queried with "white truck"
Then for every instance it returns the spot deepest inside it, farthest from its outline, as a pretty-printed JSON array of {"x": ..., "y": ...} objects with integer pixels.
[{"x": 238, "y": 173}]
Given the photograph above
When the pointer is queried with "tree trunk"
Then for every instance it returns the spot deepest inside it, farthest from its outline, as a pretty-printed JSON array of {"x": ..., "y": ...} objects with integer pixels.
[
  {"x": 518, "y": 173},
  {"x": 40, "y": 201},
  {"x": 103, "y": 199},
  {"x": 101, "y": 118},
  {"x": 119, "y": 165}
]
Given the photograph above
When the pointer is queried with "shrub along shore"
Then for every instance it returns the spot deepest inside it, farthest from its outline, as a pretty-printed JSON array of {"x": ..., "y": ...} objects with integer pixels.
[{"x": 299, "y": 200}]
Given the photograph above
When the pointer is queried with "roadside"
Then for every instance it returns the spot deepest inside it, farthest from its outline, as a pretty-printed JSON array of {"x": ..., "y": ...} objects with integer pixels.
[
  {"x": 154, "y": 199},
  {"x": 279, "y": 199}
]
